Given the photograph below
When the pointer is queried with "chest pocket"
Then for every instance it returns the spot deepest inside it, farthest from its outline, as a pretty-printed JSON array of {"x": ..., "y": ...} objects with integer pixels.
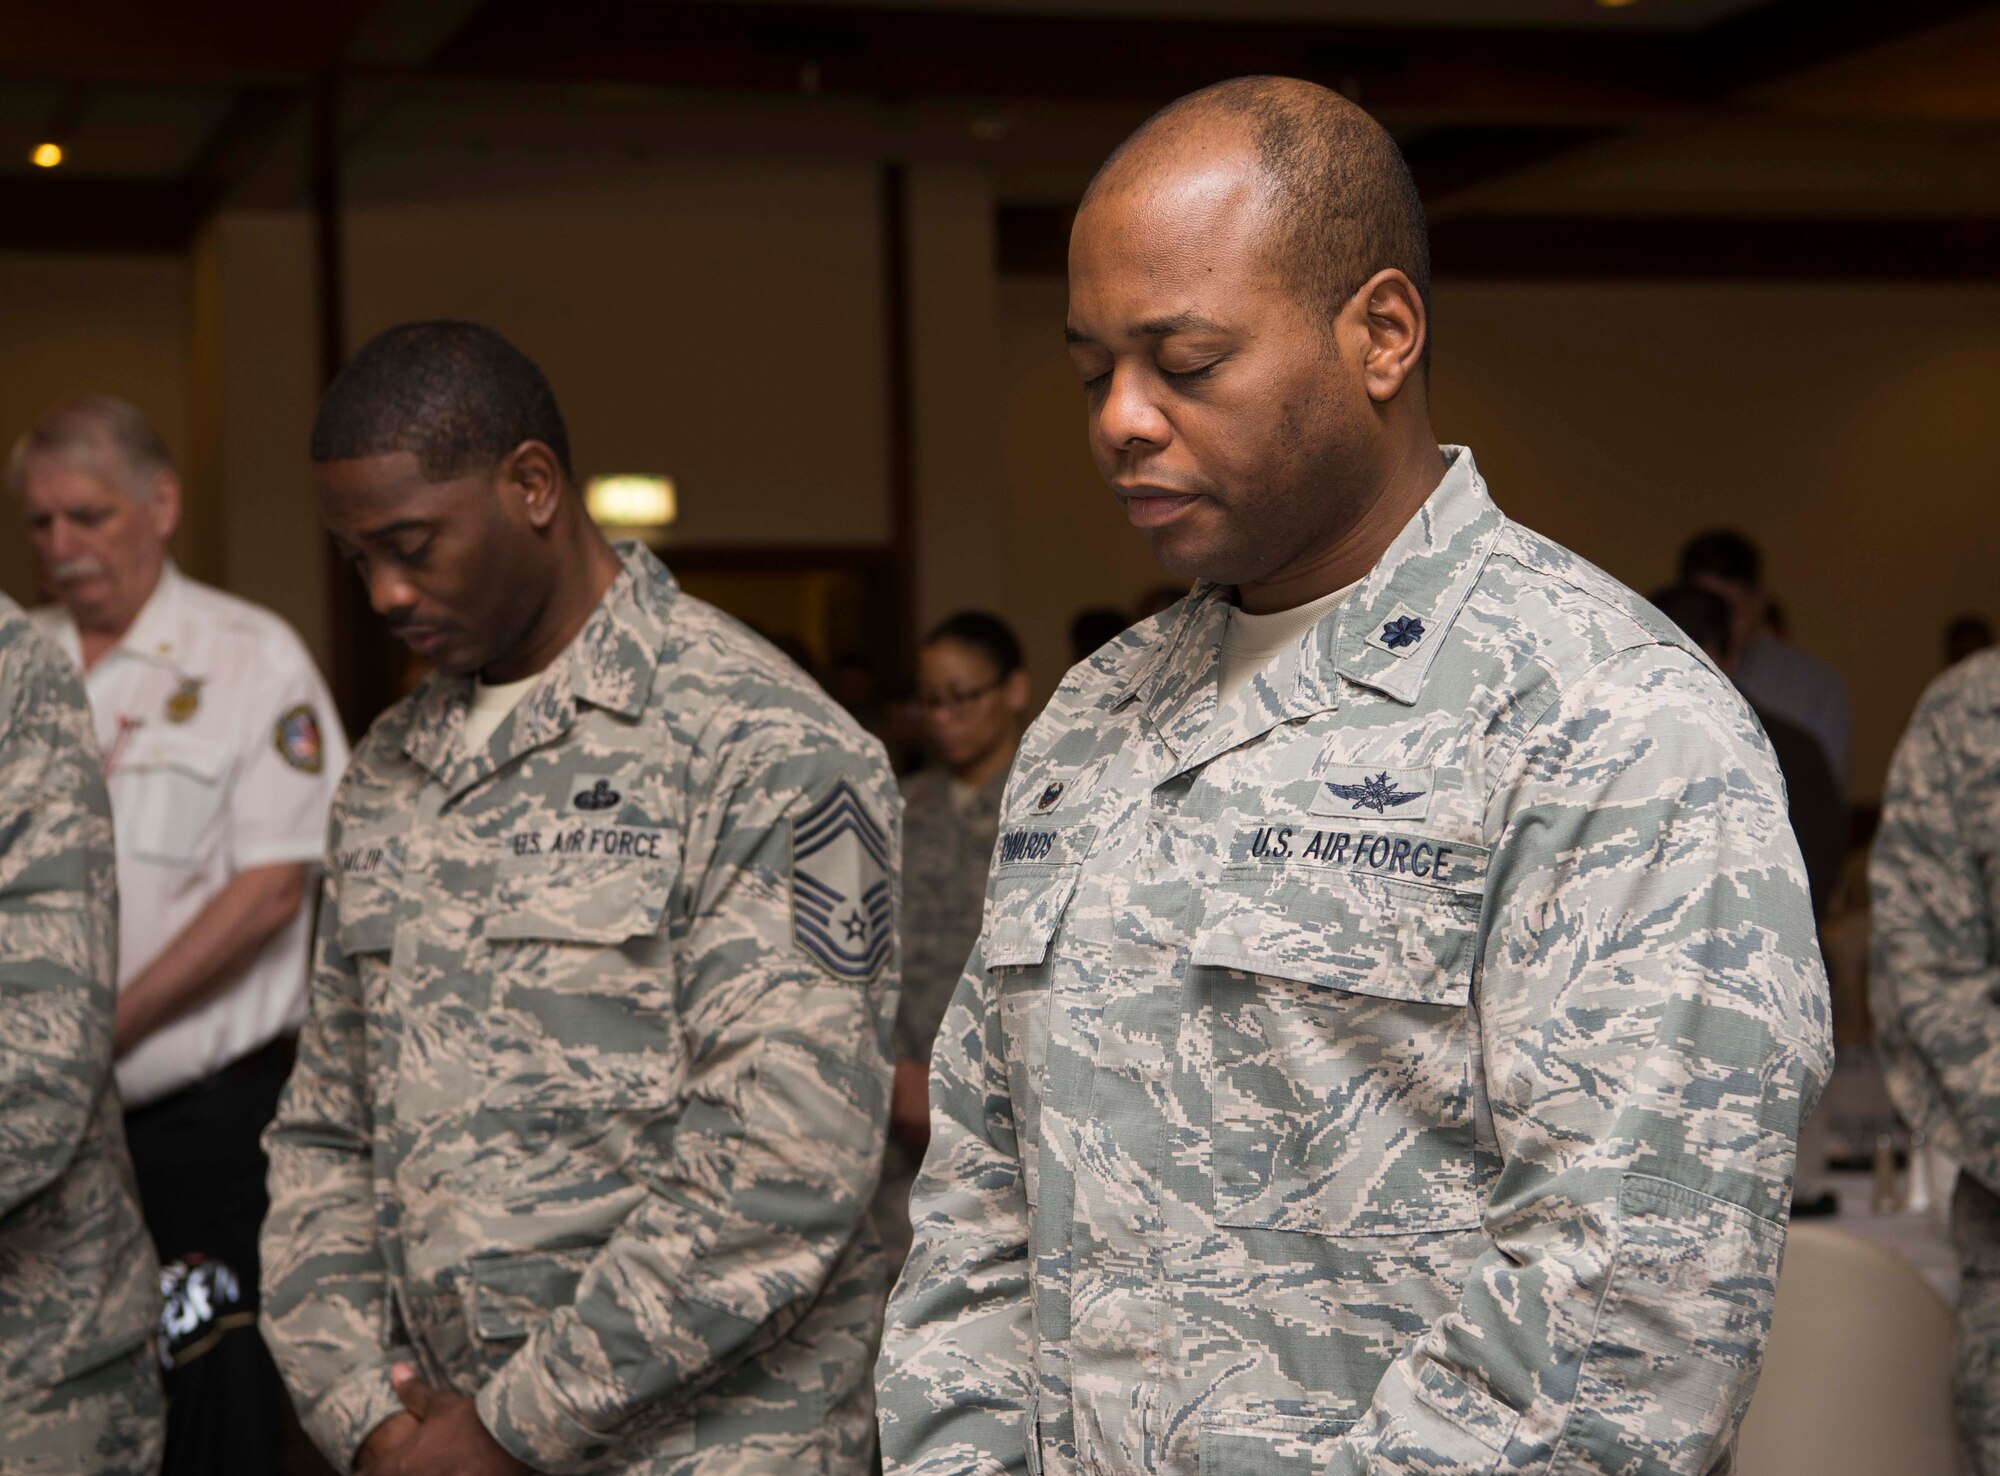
[
  {"x": 166, "y": 794},
  {"x": 1342, "y": 1039},
  {"x": 584, "y": 979},
  {"x": 1024, "y": 908}
]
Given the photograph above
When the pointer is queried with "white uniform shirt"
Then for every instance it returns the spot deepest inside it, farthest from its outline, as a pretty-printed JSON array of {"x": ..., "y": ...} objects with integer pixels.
[{"x": 221, "y": 748}]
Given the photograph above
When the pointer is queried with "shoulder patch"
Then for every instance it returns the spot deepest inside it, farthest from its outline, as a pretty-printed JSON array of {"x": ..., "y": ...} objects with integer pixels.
[
  {"x": 297, "y": 740},
  {"x": 843, "y": 914}
]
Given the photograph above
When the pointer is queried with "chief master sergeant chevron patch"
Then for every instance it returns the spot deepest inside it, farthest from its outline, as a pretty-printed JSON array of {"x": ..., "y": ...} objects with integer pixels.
[{"x": 843, "y": 913}]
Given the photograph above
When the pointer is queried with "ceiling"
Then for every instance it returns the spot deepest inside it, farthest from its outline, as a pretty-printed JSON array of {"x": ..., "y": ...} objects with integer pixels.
[{"x": 1791, "y": 113}]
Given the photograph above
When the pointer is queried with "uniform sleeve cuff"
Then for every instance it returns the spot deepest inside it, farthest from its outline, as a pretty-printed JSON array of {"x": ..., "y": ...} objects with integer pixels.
[
  {"x": 520, "y": 1411},
  {"x": 353, "y": 1410}
]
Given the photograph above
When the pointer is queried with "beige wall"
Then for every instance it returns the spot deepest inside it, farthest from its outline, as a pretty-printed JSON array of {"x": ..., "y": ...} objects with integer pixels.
[
  {"x": 70, "y": 325},
  {"x": 256, "y": 384},
  {"x": 721, "y": 325},
  {"x": 1840, "y": 426}
]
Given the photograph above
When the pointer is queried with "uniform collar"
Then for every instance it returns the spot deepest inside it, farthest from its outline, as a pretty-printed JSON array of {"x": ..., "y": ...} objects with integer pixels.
[
  {"x": 1384, "y": 636},
  {"x": 158, "y": 635},
  {"x": 611, "y": 664},
  {"x": 1390, "y": 630}
]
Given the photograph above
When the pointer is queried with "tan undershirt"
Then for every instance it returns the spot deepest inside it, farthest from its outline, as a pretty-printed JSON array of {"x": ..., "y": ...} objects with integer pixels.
[
  {"x": 1253, "y": 642},
  {"x": 489, "y": 709}
]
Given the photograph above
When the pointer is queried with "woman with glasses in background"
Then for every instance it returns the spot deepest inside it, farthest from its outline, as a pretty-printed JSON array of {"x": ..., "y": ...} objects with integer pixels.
[{"x": 973, "y": 691}]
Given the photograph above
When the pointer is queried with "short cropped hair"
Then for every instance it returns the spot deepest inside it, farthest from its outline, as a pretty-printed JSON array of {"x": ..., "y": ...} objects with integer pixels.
[
  {"x": 1723, "y": 553},
  {"x": 1702, "y": 615},
  {"x": 101, "y": 435},
  {"x": 457, "y": 396},
  {"x": 1347, "y": 206},
  {"x": 987, "y": 634}
]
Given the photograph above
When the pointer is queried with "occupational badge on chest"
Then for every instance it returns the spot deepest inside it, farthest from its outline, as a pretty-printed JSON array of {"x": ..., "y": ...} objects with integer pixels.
[
  {"x": 186, "y": 700},
  {"x": 843, "y": 913},
  {"x": 1381, "y": 792},
  {"x": 593, "y": 794}
]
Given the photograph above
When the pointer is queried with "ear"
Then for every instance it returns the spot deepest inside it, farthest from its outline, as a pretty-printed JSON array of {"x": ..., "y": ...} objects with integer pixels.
[
  {"x": 163, "y": 504},
  {"x": 532, "y": 479},
  {"x": 1397, "y": 328},
  {"x": 1015, "y": 690}
]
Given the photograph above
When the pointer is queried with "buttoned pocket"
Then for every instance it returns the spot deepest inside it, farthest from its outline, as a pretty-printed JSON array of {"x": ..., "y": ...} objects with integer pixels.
[
  {"x": 166, "y": 794},
  {"x": 1025, "y": 904},
  {"x": 584, "y": 987},
  {"x": 1341, "y": 1039}
]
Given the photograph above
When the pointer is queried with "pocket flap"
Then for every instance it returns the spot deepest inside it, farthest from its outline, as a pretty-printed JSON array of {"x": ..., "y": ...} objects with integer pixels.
[
  {"x": 606, "y": 905},
  {"x": 512, "y": 1294},
  {"x": 1023, "y": 909},
  {"x": 1337, "y": 930},
  {"x": 363, "y": 928},
  {"x": 196, "y": 757}
]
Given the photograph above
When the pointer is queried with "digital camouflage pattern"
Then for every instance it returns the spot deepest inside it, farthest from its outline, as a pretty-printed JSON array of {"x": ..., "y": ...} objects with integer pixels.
[
  {"x": 1284, "y": 1130},
  {"x": 946, "y": 852},
  {"x": 588, "y": 1112},
  {"x": 78, "y": 1280},
  {"x": 1934, "y": 986}
]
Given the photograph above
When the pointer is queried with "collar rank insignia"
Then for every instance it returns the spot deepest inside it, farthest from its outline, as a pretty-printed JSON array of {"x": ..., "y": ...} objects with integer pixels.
[
  {"x": 186, "y": 701},
  {"x": 600, "y": 796},
  {"x": 1051, "y": 797},
  {"x": 843, "y": 913},
  {"x": 1404, "y": 631},
  {"x": 1378, "y": 793}
]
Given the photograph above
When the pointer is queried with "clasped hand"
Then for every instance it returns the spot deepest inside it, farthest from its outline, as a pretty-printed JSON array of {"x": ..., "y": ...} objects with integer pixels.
[{"x": 439, "y": 1434}]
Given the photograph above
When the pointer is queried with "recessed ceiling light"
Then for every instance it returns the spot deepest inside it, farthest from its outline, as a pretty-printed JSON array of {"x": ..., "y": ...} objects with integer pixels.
[
  {"x": 1614, "y": 4},
  {"x": 46, "y": 155}
]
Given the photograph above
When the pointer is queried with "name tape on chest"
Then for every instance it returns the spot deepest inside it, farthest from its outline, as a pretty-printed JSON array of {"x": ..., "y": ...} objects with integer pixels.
[
  {"x": 560, "y": 842},
  {"x": 1445, "y": 863},
  {"x": 367, "y": 860},
  {"x": 1029, "y": 845}
]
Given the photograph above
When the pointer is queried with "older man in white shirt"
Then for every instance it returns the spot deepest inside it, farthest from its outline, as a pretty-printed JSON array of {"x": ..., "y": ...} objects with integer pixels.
[{"x": 221, "y": 748}]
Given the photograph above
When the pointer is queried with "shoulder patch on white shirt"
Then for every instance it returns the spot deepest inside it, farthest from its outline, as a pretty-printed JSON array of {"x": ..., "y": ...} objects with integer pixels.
[{"x": 297, "y": 739}]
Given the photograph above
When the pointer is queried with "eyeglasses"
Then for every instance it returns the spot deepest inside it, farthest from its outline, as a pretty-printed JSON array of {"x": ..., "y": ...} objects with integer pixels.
[{"x": 956, "y": 701}]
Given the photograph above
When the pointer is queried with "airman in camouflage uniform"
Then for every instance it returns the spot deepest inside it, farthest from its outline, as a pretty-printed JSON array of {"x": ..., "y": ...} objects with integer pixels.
[
  {"x": 1397, "y": 1065},
  {"x": 1935, "y": 990},
  {"x": 79, "y": 1286},
  {"x": 592, "y": 1097}
]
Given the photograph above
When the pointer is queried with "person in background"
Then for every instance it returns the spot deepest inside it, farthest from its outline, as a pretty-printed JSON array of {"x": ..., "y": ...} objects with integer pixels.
[
  {"x": 574, "y": 1171},
  {"x": 221, "y": 749},
  {"x": 1812, "y": 796},
  {"x": 79, "y": 1295},
  {"x": 1089, "y": 629},
  {"x": 1776, "y": 676},
  {"x": 1966, "y": 636},
  {"x": 972, "y": 687},
  {"x": 1934, "y": 989}
]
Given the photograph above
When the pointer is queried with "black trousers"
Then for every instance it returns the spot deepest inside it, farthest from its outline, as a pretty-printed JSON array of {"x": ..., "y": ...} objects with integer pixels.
[{"x": 201, "y": 1188}]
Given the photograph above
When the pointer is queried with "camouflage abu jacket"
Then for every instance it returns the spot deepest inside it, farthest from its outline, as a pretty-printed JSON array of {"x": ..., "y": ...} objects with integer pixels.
[
  {"x": 592, "y": 1098},
  {"x": 1934, "y": 875},
  {"x": 79, "y": 1286},
  {"x": 1398, "y": 1070}
]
